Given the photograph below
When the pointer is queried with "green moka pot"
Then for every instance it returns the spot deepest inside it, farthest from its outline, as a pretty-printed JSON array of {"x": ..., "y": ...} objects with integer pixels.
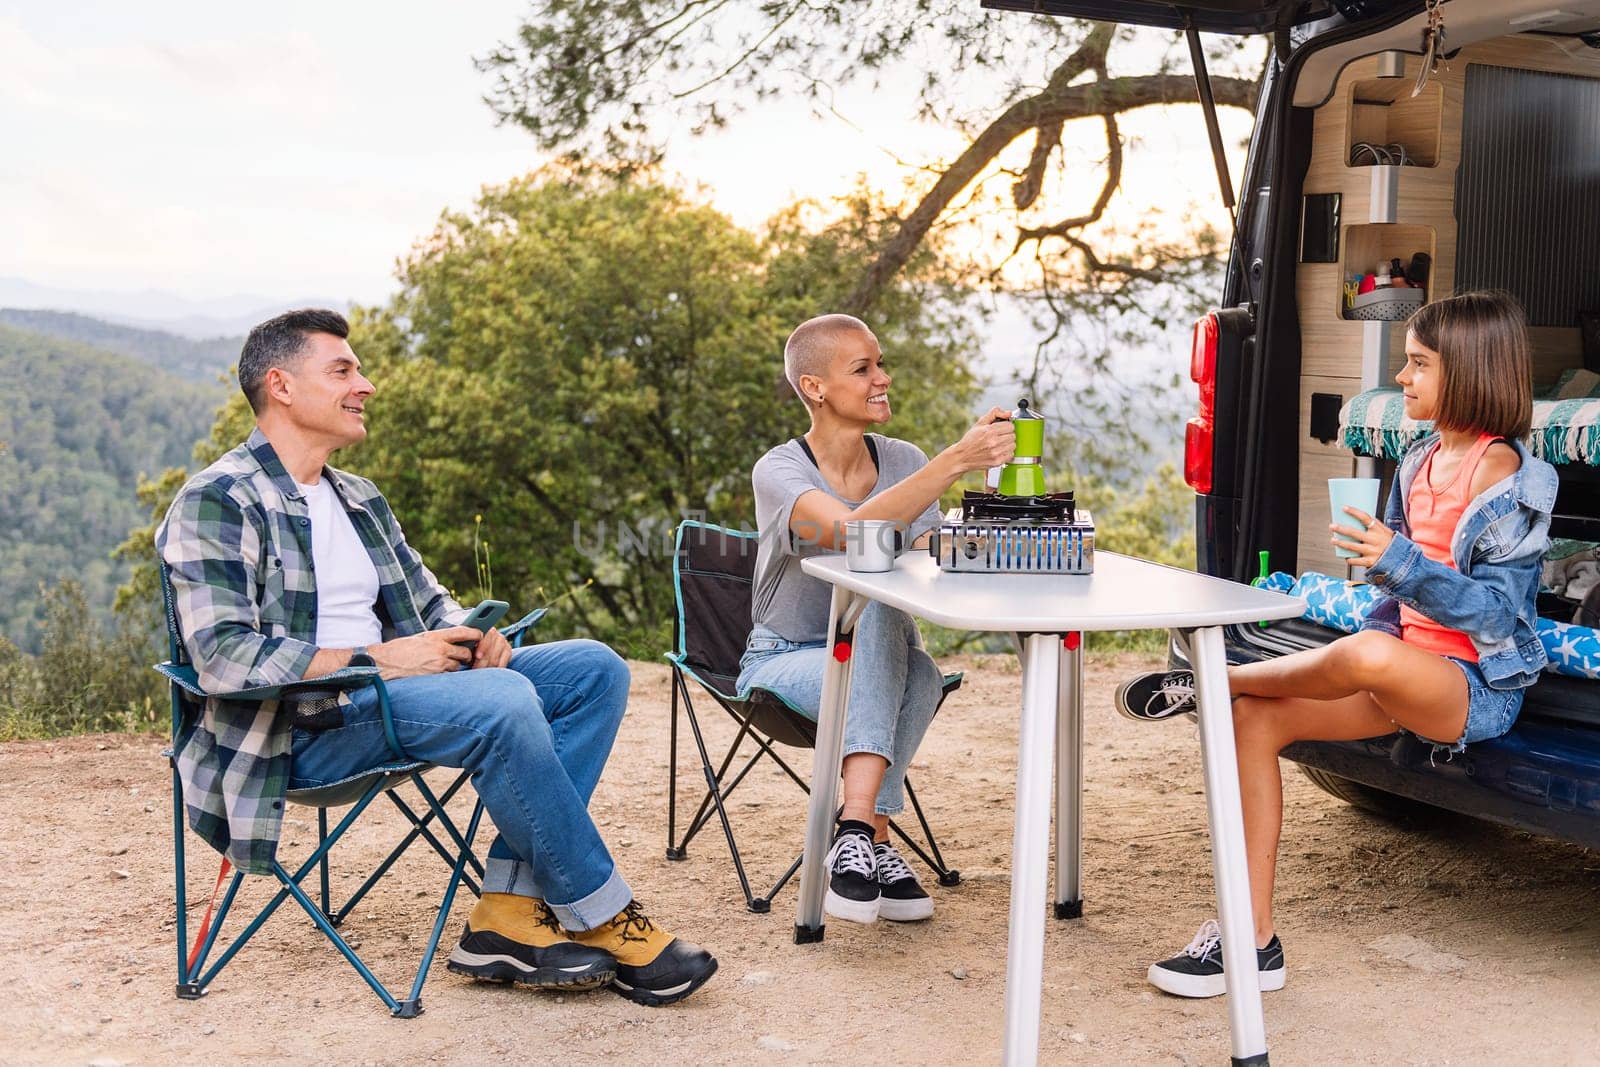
[{"x": 1024, "y": 476}]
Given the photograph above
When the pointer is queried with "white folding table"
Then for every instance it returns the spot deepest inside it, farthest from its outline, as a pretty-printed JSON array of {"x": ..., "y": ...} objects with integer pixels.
[{"x": 1048, "y": 613}]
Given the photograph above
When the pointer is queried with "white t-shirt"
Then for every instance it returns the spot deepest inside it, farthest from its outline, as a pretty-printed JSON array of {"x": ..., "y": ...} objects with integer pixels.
[{"x": 347, "y": 582}]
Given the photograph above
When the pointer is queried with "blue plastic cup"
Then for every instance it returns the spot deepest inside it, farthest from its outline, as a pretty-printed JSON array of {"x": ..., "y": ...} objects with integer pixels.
[{"x": 1358, "y": 493}]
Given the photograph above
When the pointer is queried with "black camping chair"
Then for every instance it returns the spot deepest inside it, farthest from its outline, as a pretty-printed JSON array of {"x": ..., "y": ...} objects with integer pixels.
[{"x": 713, "y": 569}]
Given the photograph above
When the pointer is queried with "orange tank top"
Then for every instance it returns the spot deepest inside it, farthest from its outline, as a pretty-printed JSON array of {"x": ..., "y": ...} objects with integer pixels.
[{"x": 1434, "y": 512}]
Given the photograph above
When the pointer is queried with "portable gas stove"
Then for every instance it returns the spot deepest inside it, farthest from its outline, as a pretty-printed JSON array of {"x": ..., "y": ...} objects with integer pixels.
[{"x": 990, "y": 532}]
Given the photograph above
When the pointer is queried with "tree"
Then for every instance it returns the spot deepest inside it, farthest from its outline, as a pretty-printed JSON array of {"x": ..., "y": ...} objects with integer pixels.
[
  {"x": 603, "y": 77},
  {"x": 583, "y": 359},
  {"x": 82, "y": 426},
  {"x": 1035, "y": 210}
]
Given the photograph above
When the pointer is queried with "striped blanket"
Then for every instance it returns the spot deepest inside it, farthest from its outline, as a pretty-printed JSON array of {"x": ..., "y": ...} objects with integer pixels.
[{"x": 1374, "y": 423}]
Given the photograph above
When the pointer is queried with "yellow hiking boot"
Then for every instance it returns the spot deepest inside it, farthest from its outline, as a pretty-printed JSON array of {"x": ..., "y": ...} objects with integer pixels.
[
  {"x": 653, "y": 967},
  {"x": 517, "y": 939}
]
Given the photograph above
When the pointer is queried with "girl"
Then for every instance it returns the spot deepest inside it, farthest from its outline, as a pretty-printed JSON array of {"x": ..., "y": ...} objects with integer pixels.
[
  {"x": 1448, "y": 650},
  {"x": 806, "y": 489}
]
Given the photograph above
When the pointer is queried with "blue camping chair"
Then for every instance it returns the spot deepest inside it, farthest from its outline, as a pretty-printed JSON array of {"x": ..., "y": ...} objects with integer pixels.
[
  {"x": 358, "y": 791},
  {"x": 713, "y": 571}
]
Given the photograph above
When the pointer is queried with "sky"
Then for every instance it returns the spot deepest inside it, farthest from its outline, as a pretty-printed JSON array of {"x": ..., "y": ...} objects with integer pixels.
[{"x": 298, "y": 149}]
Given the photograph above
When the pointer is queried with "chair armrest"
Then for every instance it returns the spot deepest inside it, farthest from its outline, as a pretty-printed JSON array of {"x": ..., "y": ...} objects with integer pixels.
[
  {"x": 345, "y": 678},
  {"x": 517, "y": 632}
]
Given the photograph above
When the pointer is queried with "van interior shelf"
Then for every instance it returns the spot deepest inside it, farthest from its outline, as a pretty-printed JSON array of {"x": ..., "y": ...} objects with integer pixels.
[{"x": 1388, "y": 126}]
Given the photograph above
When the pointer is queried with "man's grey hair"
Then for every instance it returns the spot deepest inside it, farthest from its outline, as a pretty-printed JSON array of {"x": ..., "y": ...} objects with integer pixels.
[
  {"x": 811, "y": 348},
  {"x": 281, "y": 342}
]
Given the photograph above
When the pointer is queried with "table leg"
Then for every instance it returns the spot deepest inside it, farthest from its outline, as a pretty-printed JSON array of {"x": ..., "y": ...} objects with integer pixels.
[
  {"x": 1030, "y": 845},
  {"x": 1207, "y": 655},
  {"x": 825, "y": 764},
  {"x": 1069, "y": 783}
]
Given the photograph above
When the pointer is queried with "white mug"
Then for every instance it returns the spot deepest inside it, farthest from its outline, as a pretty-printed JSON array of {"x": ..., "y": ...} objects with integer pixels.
[{"x": 869, "y": 544}]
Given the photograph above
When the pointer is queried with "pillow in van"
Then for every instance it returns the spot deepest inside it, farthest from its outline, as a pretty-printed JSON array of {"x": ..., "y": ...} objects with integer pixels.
[
  {"x": 1573, "y": 650},
  {"x": 1342, "y": 605},
  {"x": 1574, "y": 384},
  {"x": 1374, "y": 423},
  {"x": 1335, "y": 602},
  {"x": 1565, "y": 430}
]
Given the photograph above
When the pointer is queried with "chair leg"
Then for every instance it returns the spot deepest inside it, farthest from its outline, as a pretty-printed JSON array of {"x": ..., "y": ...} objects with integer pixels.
[
  {"x": 322, "y": 835},
  {"x": 309, "y": 906},
  {"x": 192, "y": 982},
  {"x": 703, "y": 811},
  {"x": 185, "y": 989},
  {"x": 205, "y": 979},
  {"x": 673, "y": 851},
  {"x": 419, "y": 828},
  {"x": 411, "y": 1007},
  {"x": 726, "y": 791},
  {"x": 211, "y": 927},
  {"x": 714, "y": 794},
  {"x": 777, "y": 887},
  {"x": 936, "y": 862},
  {"x": 714, "y": 779}
]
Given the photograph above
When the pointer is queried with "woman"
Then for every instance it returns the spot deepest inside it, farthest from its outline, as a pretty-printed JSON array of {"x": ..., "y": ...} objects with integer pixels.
[{"x": 806, "y": 489}]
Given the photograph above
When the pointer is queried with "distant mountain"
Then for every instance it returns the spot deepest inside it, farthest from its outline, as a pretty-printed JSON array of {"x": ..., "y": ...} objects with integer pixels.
[
  {"x": 158, "y": 310},
  {"x": 196, "y": 361},
  {"x": 77, "y": 429}
]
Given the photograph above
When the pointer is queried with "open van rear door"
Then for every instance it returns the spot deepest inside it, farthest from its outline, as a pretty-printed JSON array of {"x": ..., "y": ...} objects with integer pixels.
[{"x": 1207, "y": 16}]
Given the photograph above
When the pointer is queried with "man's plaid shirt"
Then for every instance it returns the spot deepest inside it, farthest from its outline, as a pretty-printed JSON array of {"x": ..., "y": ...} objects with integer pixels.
[{"x": 237, "y": 541}]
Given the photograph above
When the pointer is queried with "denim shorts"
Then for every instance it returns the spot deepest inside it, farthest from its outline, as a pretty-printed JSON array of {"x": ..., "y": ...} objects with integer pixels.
[{"x": 1490, "y": 712}]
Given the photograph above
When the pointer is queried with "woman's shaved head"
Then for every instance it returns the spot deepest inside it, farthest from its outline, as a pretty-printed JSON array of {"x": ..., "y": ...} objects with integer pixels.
[{"x": 811, "y": 348}]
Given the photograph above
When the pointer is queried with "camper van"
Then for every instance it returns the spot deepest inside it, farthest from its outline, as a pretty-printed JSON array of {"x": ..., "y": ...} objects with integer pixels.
[{"x": 1403, "y": 149}]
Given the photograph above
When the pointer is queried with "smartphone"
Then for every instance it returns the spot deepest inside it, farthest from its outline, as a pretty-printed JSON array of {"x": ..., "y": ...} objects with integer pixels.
[{"x": 485, "y": 615}]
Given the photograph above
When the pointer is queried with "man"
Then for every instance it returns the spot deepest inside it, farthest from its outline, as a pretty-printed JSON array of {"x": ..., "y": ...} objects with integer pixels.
[{"x": 284, "y": 568}]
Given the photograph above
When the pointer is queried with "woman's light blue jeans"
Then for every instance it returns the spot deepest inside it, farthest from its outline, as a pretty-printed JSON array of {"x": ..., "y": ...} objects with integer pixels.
[
  {"x": 895, "y": 688},
  {"x": 535, "y": 736}
]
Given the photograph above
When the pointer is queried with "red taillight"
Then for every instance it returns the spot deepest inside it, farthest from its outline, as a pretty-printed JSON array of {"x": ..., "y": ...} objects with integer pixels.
[
  {"x": 1197, "y": 455},
  {"x": 1203, "y": 364},
  {"x": 1197, "y": 435}
]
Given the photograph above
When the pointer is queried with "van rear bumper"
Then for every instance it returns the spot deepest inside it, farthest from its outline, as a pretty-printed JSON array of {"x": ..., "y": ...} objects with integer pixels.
[{"x": 1540, "y": 777}]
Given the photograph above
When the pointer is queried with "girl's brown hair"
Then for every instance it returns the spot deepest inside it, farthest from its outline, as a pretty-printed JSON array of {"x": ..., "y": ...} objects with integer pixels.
[{"x": 1482, "y": 341}]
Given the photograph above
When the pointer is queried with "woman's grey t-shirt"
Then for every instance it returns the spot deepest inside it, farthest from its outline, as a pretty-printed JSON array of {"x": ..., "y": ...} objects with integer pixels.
[{"x": 787, "y": 601}]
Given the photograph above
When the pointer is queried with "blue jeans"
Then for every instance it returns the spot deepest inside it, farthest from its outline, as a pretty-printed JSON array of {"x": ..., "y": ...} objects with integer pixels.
[
  {"x": 1490, "y": 712},
  {"x": 895, "y": 688},
  {"x": 535, "y": 736}
]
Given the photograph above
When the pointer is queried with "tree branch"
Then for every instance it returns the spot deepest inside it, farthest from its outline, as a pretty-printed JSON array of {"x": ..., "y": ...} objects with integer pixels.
[
  {"x": 1056, "y": 103},
  {"x": 1026, "y": 191},
  {"x": 1113, "y": 179}
]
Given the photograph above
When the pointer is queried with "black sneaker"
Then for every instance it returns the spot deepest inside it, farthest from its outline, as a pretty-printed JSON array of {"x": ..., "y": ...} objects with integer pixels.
[
  {"x": 1157, "y": 695},
  {"x": 902, "y": 899},
  {"x": 853, "y": 891},
  {"x": 1197, "y": 970}
]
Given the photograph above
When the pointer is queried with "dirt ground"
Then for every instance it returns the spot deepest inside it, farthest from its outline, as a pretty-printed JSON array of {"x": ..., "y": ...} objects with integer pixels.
[{"x": 1454, "y": 942}]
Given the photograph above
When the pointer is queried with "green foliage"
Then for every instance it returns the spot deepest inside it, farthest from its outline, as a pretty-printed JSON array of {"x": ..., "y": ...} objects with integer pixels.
[
  {"x": 614, "y": 76},
  {"x": 87, "y": 677},
  {"x": 204, "y": 362},
  {"x": 80, "y": 426},
  {"x": 583, "y": 360}
]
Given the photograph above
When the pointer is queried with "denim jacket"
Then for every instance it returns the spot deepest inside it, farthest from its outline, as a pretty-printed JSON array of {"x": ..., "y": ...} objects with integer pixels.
[{"x": 1497, "y": 547}]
